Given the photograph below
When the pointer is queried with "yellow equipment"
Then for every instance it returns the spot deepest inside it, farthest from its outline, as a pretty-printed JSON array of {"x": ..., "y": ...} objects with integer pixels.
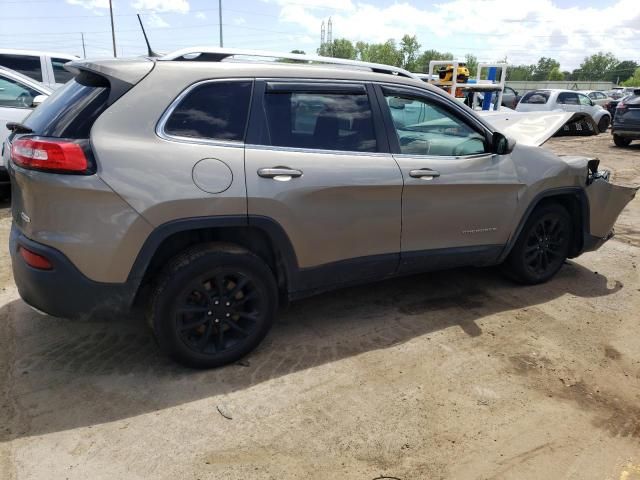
[{"x": 446, "y": 74}]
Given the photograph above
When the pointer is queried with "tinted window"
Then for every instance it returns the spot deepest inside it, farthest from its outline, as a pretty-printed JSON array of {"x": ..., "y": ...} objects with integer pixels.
[
  {"x": 568, "y": 98},
  {"x": 28, "y": 65},
  {"x": 536, "y": 97},
  {"x": 327, "y": 121},
  {"x": 60, "y": 74},
  {"x": 426, "y": 128},
  {"x": 15, "y": 94},
  {"x": 72, "y": 109},
  {"x": 216, "y": 110},
  {"x": 593, "y": 95}
]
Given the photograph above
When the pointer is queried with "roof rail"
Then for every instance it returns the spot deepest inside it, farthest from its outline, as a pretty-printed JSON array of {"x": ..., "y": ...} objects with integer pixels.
[{"x": 215, "y": 54}]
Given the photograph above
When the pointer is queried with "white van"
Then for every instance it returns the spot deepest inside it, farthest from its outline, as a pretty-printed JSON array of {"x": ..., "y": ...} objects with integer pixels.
[{"x": 44, "y": 67}]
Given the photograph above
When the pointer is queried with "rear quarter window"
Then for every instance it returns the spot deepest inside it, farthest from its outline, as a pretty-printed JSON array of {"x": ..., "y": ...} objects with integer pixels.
[
  {"x": 536, "y": 97},
  {"x": 72, "y": 109},
  {"x": 213, "y": 110}
]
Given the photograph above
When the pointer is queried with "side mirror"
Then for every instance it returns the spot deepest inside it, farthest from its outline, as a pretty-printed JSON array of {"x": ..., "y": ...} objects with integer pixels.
[
  {"x": 38, "y": 99},
  {"x": 501, "y": 145}
]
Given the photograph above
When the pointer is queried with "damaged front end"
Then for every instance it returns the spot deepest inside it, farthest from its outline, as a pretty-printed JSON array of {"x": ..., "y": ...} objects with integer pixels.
[{"x": 606, "y": 202}]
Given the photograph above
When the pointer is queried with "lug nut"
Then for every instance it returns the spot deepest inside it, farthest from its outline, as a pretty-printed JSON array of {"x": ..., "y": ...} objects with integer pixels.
[
  {"x": 209, "y": 312},
  {"x": 228, "y": 314}
]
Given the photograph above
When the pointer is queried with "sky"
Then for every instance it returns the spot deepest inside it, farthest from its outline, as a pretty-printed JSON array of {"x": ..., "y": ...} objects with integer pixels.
[{"x": 566, "y": 30}]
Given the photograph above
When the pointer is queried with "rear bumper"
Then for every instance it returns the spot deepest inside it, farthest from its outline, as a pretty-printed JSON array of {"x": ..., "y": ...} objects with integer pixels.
[
  {"x": 626, "y": 132},
  {"x": 64, "y": 291}
]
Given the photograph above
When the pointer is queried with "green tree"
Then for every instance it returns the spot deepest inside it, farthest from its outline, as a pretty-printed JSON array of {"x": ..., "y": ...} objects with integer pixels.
[
  {"x": 472, "y": 64},
  {"x": 409, "y": 50},
  {"x": 555, "y": 74},
  {"x": 543, "y": 68},
  {"x": 520, "y": 73},
  {"x": 339, "y": 48},
  {"x": 622, "y": 71},
  {"x": 422, "y": 62},
  {"x": 385, "y": 53},
  {"x": 633, "y": 81},
  {"x": 598, "y": 66}
]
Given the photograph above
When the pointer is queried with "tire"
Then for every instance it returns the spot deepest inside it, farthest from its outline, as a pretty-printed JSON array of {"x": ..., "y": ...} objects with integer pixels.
[
  {"x": 212, "y": 305},
  {"x": 603, "y": 124},
  {"x": 621, "y": 141},
  {"x": 542, "y": 246}
]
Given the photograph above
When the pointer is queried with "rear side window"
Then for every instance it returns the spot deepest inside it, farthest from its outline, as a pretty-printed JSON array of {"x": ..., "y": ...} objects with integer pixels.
[
  {"x": 322, "y": 120},
  {"x": 214, "y": 110},
  {"x": 60, "y": 74},
  {"x": 568, "y": 98},
  {"x": 28, "y": 65},
  {"x": 72, "y": 109},
  {"x": 535, "y": 97}
]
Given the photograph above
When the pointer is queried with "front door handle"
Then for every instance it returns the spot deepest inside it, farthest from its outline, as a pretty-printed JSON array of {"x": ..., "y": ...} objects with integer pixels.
[
  {"x": 279, "y": 173},
  {"x": 424, "y": 173}
]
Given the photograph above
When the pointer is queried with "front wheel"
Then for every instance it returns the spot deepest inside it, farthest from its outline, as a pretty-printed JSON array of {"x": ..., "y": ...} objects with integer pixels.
[
  {"x": 542, "y": 247},
  {"x": 621, "y": 141},
  {"x": 213, "y": 305}
]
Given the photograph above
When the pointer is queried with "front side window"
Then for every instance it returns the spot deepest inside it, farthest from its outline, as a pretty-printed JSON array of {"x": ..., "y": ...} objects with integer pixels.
[
  {"x": 214, "y": 110},
  {"x": 425, "y": 128},
  {"x": 28, "y": 65},
  {"x": 320, "y": 120},
  {"x": 60, "y": 74},
  {"x": 15, "y": 94},
  {"x": 584, "y": 100}
]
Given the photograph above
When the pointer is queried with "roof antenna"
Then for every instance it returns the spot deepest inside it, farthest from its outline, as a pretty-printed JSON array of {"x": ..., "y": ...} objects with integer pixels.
[{"x": 150, "y": 52}]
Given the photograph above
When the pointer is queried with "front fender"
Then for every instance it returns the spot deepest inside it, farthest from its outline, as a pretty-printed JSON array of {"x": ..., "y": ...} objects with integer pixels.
[{"x": 606, "y": 202}]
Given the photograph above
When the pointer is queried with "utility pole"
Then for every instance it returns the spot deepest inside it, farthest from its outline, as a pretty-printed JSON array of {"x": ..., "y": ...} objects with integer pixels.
[
  {"x": 322, "y": 35},
  {"x": 113, "y": 32},
  {"x": 330, "y": 37},
  {"x": 84, "y": 51},
  {"x": 220, "y": 21}
]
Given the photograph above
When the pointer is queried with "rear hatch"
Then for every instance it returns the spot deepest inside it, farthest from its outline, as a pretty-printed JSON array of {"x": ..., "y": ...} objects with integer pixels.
[
  {"x": 50, "y": 151},
  {"x": 628, "y": 113}
]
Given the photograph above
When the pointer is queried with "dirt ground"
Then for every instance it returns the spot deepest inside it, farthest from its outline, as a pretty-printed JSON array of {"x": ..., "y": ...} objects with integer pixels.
[{"x": 454, "y": 375}]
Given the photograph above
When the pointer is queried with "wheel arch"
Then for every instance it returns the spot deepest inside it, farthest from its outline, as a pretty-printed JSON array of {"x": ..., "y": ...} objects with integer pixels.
[
  {"x": 574, "y": 199},
  {"x": 262, "y": 236}
]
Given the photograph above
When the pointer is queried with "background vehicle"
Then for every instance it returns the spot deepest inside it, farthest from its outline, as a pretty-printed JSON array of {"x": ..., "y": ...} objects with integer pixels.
[
  {"x": 597, "y": 97},
  {"x": 613, "y": 103},
  {"x": 18, "y": 96},
  {"x": 566, "y": 100},
  {"x": 44, "y": 67},
  {"x": 626, "y": 122},
  {"x": 292, "y": 180}
]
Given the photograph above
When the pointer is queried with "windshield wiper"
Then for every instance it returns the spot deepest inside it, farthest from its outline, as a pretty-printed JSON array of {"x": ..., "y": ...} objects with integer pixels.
[{"x": 17, "y": 127}]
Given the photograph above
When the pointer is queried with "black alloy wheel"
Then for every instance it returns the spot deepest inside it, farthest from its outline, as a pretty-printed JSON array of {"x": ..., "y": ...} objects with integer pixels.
[
  {"x": 212, "y": 305},
  {"x": 542, "y": 246}
]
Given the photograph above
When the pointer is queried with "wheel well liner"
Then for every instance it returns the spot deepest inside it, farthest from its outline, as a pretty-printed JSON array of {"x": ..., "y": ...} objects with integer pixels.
[{"x": 574, "y": 199}]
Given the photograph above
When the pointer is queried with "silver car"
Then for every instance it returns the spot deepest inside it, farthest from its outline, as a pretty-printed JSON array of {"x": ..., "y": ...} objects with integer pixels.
[
  {"x": 567, "y": 101},
  {"x": 212, "y": 192}
]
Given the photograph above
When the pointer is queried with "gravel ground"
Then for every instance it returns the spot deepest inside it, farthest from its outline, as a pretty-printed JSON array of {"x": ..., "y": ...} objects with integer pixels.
[{"x": 456, "y": 375}]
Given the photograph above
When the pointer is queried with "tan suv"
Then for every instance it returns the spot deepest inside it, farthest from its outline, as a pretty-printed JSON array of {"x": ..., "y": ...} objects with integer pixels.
[{"x": 214, "y": 191}]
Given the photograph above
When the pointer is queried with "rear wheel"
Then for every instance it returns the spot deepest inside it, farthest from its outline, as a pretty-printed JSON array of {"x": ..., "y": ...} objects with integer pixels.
[
  {"x": 542, "y": 247},
  {"x": 213, "y": 305},
  {"x": 621, "y": 141},
  {"x": 603, "y": 124}
]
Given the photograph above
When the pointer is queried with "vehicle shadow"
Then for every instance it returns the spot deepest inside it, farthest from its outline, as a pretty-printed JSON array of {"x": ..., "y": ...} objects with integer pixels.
[{"x": 65, "y": 374}]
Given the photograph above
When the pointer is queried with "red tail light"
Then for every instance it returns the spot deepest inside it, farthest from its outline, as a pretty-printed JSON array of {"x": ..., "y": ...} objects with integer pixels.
[
  {"x": 621, "y": 106},
  {"x": 34, "y": 260},
  {"x": 51, "y": 155}
]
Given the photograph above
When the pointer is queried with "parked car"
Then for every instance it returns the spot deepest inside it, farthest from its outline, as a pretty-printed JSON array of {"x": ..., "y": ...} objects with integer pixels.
[
  {"x": 626, "y": 122},
  {"x": 616, "y": 93},
  {"x": 18, "y": 96},
  {"x": 566, "y": 100},
  {"x": 234, "y": 187},
  {"x": 613, "y": 104},
  {"x": 597, "y": 97},
  {"x": 44, "y": 67},
  {"x": 510, "y": 97}
]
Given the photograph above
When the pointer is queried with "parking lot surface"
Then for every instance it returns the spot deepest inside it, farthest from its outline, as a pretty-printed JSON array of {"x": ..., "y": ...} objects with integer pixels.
[{"x": 453, "y": 375}]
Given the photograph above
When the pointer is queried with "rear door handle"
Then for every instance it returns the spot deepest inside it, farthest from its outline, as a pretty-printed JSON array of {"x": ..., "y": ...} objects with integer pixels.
[
  {"x": 279, "y": 173},
  {"x": 425, "y": 173}
]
